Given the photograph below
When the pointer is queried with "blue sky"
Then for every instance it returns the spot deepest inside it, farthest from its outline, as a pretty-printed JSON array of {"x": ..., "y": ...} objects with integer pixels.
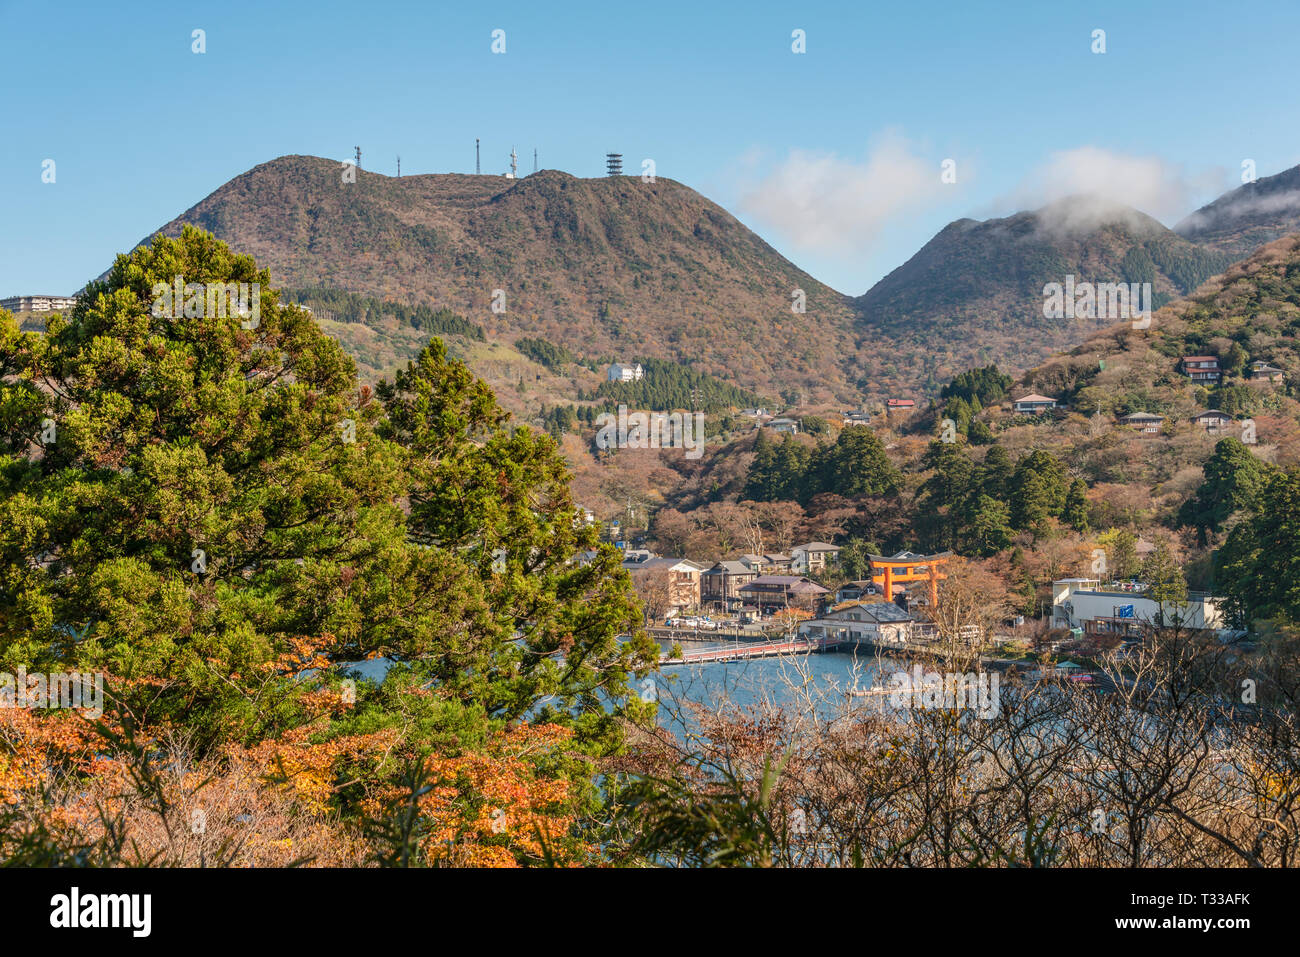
[{"x": 834, "y": 155}]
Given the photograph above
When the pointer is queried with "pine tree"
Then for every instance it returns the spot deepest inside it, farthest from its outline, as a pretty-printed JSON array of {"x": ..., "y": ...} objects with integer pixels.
[
  {"x": 497, "y": 496},
  {"x": 941, "y": 495},
  {"x": 1165, "y": 584},
  {"x": 1233, "y": 478},
  {"x": 209, "y": 510},
  {"x": 995, "y": 473},
  {"x": 1053, "y": 473},
  {"x": 855, "y": 464},
  {"x": 761, "y": 481},
  {"x": 792, "y": 462},
  {"x": 1031, "y": 502},
  {"x": 986, "y": 526},
  {"x": 1076, "y": 506},
  {"x": 1259, "y": 564},
  {"x": 1123, "y": 555}
]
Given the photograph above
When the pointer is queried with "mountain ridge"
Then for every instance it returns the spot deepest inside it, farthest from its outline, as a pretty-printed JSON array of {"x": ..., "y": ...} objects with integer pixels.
[
  {"x": 612, "y": 266},
  {"x": 976, "y": 288},
  {"x": 618, "y": 268},
  {"x": 1246, "y": 218}
]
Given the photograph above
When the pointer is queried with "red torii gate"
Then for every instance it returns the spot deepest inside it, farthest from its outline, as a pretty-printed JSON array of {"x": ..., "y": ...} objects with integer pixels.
[{"x": 908, "y": 567}]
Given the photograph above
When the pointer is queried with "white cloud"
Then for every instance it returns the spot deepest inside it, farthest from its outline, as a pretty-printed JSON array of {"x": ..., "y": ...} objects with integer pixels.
[
  {"x": 1150, "y": 184},
  {"x": 824, "y": 203},
  {"x": 1242, "y": 206}
]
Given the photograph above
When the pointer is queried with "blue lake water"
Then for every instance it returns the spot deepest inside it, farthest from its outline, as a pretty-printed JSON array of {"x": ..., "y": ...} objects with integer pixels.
[
  {"x": 788, "y": 681},
  {"x": 796, "y": 681}
]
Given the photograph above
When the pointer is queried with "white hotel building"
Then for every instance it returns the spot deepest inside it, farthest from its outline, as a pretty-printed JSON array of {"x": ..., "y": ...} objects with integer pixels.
[
  {"x": 38, "y": 303},
  {"x": 1082, "y": 603}
]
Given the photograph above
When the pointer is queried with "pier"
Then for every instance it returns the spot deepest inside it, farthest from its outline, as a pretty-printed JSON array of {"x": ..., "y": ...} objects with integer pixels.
[{"x": 745, "y": 650}]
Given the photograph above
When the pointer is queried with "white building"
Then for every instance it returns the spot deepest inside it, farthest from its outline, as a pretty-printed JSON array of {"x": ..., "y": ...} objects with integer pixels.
[
  {"x": 619, "y": 372},
  {"x": 1082, "y": 603},
  {"x": 879, "y": 622},
  {"x": 1033, "y": 404},
  {"x": 38, "y": 303},
  {"x": 814, "y": 557}
]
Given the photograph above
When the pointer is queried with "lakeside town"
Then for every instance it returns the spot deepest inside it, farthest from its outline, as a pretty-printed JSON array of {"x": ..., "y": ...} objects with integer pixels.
[{"x": 774, "y": 596}]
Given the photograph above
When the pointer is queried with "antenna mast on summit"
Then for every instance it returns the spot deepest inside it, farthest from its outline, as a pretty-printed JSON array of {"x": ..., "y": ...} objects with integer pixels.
[
  {"x": 534, "y": 159},
  {"x": 477, "y": 169},
  {"x": 358, "y": 149},
  {"x": 514, "y": 164},
  {"x": 399, "y": 166}
]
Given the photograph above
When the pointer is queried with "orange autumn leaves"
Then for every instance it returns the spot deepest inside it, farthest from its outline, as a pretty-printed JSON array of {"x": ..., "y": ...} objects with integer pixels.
[
  {"x": 311, "y": 771},
  {"x": 494, "y": 807},
  {"x": 32, "y": 743},
  {"x": 502, "y": 804},
  {"x": 112, "y": 799}
]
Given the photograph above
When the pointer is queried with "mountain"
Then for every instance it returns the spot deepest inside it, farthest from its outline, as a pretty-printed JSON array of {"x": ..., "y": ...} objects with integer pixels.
[
  {"x": 974, "y": 293},
  {"x": 1250, "y": 313},
  {"x": 619, "y": 269},
  {"x": 611, "y": 268},
  {"x": 1241, "y": 221}
]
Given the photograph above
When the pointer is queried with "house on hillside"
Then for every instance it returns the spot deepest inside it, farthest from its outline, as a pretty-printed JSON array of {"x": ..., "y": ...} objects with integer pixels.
[
  {"x": 900, "y": 405},
  {"x": 813, "y": 557},
  {"x": 1201, "y": 368},
  {"x": 851, "y": 591},
  {"x": 1263, "y": 372},
  {"x": 1213, "y": 421},
  {"x": 620, "y": 372},
  {"x": 681, "y": 576},
  {"x": 754, "y": 413},
  {"x": 1143, "y": 421},
  {"x": 1033, "y": 404},
  {"x": 720, "y": 585},
  {"x": 787, "y": 426},
  {"x": 770, "y": 564},
  {"x": 773, "y": 593}
]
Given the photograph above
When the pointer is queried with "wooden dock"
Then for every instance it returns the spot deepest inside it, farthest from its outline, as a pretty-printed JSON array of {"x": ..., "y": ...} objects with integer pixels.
[
  {"x": 754, "y": 649},
  {"x": 705, "y": 634}
]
